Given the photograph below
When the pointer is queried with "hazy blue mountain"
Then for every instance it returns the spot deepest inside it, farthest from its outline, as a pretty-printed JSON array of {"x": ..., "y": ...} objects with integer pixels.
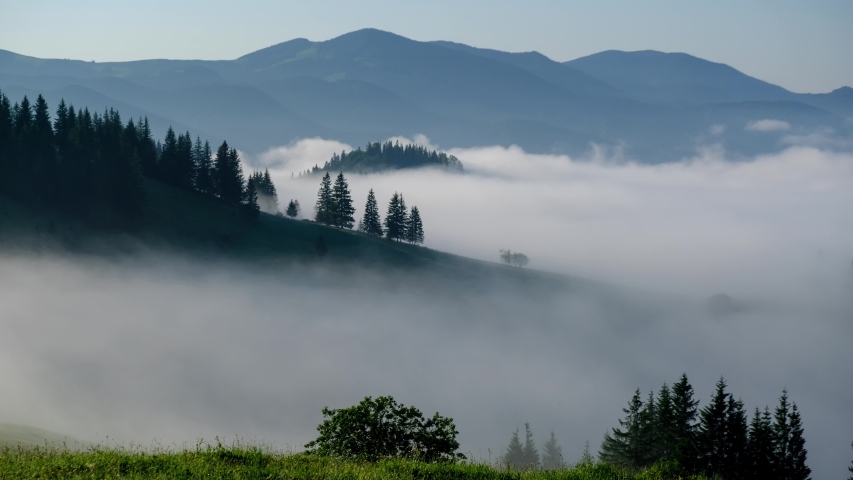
[
  {"x": 369, "y": 85},
  {"x": 675, "y": 78}
]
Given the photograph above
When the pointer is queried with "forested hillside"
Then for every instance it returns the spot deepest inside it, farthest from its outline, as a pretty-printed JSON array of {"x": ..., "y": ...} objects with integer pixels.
[{"x": 388, "y": 156}]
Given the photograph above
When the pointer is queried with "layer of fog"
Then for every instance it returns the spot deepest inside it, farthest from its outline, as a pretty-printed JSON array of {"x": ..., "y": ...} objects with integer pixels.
[
  {"x": 776, "y": 224},
  {"x": 172, "y": 350}
]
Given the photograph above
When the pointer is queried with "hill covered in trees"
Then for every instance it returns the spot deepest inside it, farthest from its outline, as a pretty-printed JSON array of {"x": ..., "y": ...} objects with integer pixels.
[{"x": 377, "y": 157}]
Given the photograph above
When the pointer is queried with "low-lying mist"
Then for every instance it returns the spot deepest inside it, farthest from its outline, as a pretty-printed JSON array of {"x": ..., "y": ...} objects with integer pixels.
[{"x": 159, "y": 348}]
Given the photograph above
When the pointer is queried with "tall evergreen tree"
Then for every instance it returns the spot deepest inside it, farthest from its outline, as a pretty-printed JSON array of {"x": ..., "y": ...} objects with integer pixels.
[
  {"x": 737, "y": 434},
  {"x": 325, "y": 205},
  {"x": 415, "y": 228},
  {"x": 5, "y": 144},
  {"x": 531, "y": 454},
  {"x": 782, "y": 437},
  {"x": 627, "y": 446},
  {"x": 228, "y": 181},
  {"x": 344, "y": 210},
  {"x": 148, "y": 153},
  {"x": 250, "y": 208},
  {"x": 42, "y": 154},
  {"x": 666, "y": 427},
  {"x": 552, "y": 453},
  {"x": 396, "y": 218},
  {"x": 370, "y": 221},
  {"x": 203, "y": 165},
  {"x": 797, "y": 448},
  {"x": 686, "y": 428},
  {"x": 514, "y": 456},
  {"x": 713, "y": 431},
  {"x": 760, "y": 451},
  {"x": 168, "y": 162}
]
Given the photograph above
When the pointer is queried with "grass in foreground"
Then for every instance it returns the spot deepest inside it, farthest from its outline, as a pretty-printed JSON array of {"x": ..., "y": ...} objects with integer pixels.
[{"x": 218, "y": 462}]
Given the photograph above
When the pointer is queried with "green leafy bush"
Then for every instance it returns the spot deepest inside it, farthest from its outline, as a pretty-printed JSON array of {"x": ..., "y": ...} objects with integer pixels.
[{"x": 382, "y": 428}]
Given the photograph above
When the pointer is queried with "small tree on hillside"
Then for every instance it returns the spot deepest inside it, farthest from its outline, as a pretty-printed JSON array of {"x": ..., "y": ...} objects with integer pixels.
[
  {"x": 531, "y": 454},
  {"x": 293, "y": 209},
  {"x": 396, "y": 219},
  {"x": 415, "y": 228},
  {"x": 344, "y": 210},
  {"x": 370, "y": 223},
  {"x": 506, "y": 256},
  {"x": 325, "y": 204},
  {"x": 552, "y": 453},
  {"x": 382, "y": 428},
  {"x": 514, "y": 456},
  {"x": 519, "y": 259}
]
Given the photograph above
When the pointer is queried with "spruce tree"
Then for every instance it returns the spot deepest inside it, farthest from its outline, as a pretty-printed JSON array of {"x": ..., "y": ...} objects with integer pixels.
[
  {"x": 325, "y": 203},
  {"x": 203, "y": 167},
  {"x": 229, "y": 175},
  {"x": 552, "y": 454},
  {"x": 665, "y": 428},
  {"x": 250, "y": 208},
  {"x": 396, "y": 219},
  {"x": 5, "y": 144},
  {"x": 168, "y": 163},
  {"x": 782, "y": 437},
  {"x": 343, "y": 203},
  {"x": 760, "y": 453},
  {"x": 293, "y": 208},
  {"x": 415, "y": 229},
  {"x": 42, "y": 154},
  {"x": 626, "y": 446},
  {"x": 586, "y": 456},
  {"x": 147, "y": 150},
  {"x": 514, "y": 456},
  {"x": 370, "y": 221},
  {"x": 713, "y": 431},
  {"x": 685, "y": 410},
  {"x": 737, "y": 434},
  {"x": 531, "y": 454},
  {"x": 797, "y": 447}
]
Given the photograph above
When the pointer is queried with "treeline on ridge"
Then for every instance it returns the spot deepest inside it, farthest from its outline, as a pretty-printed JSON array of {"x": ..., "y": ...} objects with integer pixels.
[
  {"x": 386, "y": 156},
  {"x": 80, "y": 160}
]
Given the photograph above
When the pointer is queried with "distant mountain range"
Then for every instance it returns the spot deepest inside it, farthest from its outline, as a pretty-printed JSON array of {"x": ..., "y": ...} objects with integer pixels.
[{"x": 370, "y": 85}]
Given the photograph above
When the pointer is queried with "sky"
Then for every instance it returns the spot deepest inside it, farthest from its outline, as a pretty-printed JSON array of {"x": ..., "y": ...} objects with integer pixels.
[{"x": 802, "y": 46}]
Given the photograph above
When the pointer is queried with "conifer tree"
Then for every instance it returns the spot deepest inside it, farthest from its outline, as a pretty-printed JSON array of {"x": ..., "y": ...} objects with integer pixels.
[
  {"x": 325, "y": 205},
  {"x": 228, "y": 175},
  {"x": 514, "y": 456},
  {"x": 685, "y": 410},
  {"x": 665, "y": 428},
  {"x": 531, "y": 454},
  {"x": 552, "y": 453},
  {"x": 850, "y": 468},
  {"x": 737, "y": 434},
  {"x": 203, "y": 165},
  {"x": 168, "y": 162},
  {"x": 797, "y": 447},
  {"x": 713, "y": 431},
  {"x": 782, "y": 437},
  {"x": 147, "y": 150},
  {"x": 586, "y": 456},
  {"x": 760, "y": 453},
  {"x": 396, "y": 219},
  {"x": 293, "y": 209},
  {"x": 5, "y": 144},
  {"x": 250, "y": 208},
  {"x": 343, "y": 203},
  {"x": 42, "y": 154},
  {"x": 370, "y": 221},
  {"x": 627, "y": 445},
  {"x": 415, "y": 228}
]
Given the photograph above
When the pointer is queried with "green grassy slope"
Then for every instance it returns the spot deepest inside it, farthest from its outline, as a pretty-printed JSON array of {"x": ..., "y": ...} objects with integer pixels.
[
  {"x": 253, "y": 463},
  {"x": 12, "y": 436},
  {"x": 184, "y": 222}
]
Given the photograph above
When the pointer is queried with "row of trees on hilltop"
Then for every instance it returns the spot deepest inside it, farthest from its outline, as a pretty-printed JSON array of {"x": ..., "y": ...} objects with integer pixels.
[
  {"x": 717, "y": 440},
  {"x": 335, "y": 207},
  {"x": 382, "y": 156},
  {"x": 80, "y": 158}
]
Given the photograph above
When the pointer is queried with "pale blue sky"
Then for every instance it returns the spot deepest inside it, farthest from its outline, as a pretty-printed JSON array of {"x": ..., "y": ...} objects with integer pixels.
[{"x": 801, "y": 45}]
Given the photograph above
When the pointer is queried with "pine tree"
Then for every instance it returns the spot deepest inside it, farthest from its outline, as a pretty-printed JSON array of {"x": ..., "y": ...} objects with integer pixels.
[
  {"x": 168, "y": 163},
  {"x": 415, "y": 229},
  {"x": 325, "y": 203},
  {"x": 586, "y": 456},
  {"x": 370, "y": 221},
  {"x": 797, "y": 447},
  {"x": 737, "y": 434},
  {"x": 713, "y": 431},
  {"x": 42, "y": 154},
  {"x": 5, "y": 144},
  {"x": 147, "y": 150},
  {"x": 228, "y": 179},
  {"x": 250, "y": 208},
  {"x": 514, "y": 456},
  {"x": 552, "y": 454},
  {"x": 396, "y": 219},
  {"x": 203, "y": 167},
  {"x": 760, "y": 452},
  {"x": 685, "y": 410},
  {"x": 666, "y": 427},
  {"x": 343, "y": 203},
  {"x": 626, "y": 446},
  {"x": 293, "y": 209},
  {"x": 531, "y": 454},
  {"x": 782, "y": 437}
]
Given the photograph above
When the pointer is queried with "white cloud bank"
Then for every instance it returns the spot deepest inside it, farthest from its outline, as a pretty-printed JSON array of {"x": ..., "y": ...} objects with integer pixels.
[{"x": 700, "y": 226}]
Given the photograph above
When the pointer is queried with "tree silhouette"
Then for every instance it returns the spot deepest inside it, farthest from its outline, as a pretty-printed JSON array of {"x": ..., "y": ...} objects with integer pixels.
[
  {"x": 293, "y": 209},
  {"x": 396, "y": 219},
  {"x": 370, "y": 223},
  {"x": 514, "y": 456},
  {"x": 552, "y": 453},
  {"x": 342, "y": 199},
  {"x": 325, "y": 202},
  {"x": 415, "y": 228},
  {"x": 531, "y": 454}
]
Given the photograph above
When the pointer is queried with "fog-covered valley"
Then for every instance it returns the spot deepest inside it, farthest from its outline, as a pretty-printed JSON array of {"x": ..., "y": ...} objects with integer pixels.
[{"x": 161, "y": 347}]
